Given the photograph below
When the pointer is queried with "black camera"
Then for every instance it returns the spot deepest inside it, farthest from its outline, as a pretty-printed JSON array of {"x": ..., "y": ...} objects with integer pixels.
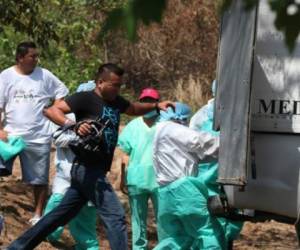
[
  {"x": 86, "y": 148},
  {"x": 93, "y": 143}
]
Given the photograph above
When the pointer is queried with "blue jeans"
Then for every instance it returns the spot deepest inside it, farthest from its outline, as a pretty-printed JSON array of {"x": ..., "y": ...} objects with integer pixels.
[{"x": 88, "y": 183}]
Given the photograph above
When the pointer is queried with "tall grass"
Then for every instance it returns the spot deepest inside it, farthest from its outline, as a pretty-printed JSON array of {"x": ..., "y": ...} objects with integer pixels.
[{"x": 192, "y": 92}]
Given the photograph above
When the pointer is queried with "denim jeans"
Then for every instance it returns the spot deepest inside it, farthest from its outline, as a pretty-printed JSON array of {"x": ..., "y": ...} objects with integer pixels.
[{"x": 88, "y": 183}]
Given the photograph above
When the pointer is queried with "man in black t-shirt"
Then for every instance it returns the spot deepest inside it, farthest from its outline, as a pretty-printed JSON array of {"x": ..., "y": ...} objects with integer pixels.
[
  {"x": 88, "y": 174},
  {"x": 95, "y": 107}
]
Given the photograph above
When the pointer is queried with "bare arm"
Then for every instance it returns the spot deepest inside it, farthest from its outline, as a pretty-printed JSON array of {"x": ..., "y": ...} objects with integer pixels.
[
  {"x": 137, "y": 108},
  {"x": 124, "y": 163},
  {"x": 56, "y": 113}
]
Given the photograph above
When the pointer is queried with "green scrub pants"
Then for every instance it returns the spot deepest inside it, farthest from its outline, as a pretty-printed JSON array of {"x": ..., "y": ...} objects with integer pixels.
[
  {"x": 185, "y": 219},
  {"x": 138, "y": 200}
]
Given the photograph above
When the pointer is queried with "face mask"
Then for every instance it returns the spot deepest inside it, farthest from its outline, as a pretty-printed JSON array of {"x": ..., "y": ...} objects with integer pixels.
[{"x": 150, "y": 114}]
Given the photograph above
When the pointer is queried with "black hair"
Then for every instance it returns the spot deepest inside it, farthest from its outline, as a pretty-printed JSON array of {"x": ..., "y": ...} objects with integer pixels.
[
  {"x": 105, "y": 69},
  {"x": 22, "y": 49}
]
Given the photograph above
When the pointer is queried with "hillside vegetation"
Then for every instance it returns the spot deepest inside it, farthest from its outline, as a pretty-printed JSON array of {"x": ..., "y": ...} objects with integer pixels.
[{"x": 178, "y": 57}]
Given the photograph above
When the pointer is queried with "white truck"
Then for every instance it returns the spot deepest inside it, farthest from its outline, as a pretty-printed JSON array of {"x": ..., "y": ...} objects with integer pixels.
[{"x": 257, "y": 111}]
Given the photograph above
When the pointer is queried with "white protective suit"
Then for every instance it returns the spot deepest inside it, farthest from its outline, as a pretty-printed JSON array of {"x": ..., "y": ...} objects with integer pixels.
[
  {"x": 182, "y": 210},
  {"x": 63, "y": 158},
  {"x": 179, "y": 149}
]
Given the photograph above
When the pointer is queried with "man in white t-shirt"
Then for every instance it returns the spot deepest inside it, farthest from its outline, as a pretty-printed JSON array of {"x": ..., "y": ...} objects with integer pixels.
[{"x": 25, "y": 90}]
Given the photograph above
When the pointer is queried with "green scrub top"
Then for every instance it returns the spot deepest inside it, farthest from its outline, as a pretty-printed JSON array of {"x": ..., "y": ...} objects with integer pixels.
[{"x": 136, "y": 140}]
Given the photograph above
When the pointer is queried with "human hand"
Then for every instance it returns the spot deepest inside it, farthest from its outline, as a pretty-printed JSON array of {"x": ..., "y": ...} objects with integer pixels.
[
  {"x": 165, "y": 104},
  {"x": 3, "y": 135},
  {"x": 84, "y": 129}
]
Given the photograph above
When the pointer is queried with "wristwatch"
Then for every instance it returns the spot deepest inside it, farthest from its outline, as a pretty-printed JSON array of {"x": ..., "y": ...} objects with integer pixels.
[{"x": 68, "y": 122}]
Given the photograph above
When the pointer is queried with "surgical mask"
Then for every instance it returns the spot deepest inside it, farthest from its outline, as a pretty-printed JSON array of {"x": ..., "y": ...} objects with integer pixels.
[{"x": 150, "y": 114}]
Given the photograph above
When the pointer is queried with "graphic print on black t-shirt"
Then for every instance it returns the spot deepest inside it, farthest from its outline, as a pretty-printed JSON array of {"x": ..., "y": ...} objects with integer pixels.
[{"x": 111, "y": 132}]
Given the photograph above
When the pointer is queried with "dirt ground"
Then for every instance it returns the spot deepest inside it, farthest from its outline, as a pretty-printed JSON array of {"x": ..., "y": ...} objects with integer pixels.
[{"x": 17, "y": 206}]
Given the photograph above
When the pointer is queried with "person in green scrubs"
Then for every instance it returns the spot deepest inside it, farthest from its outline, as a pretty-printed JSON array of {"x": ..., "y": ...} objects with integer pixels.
[{"x": 136, "y": 141}]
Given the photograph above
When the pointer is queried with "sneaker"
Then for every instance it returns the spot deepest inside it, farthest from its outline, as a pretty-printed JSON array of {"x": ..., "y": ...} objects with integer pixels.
[{"x": 34, "y": 219}]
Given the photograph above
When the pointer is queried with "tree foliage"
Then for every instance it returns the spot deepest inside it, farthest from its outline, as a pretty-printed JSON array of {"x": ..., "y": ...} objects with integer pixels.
[
  {"x": 26, "y": 16},
  {"x": 178, "y": 54},
  {"x": 66, "y": 30},
  {"x": 143, "y": 11},
  {"x": 130, "y": 14}
]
